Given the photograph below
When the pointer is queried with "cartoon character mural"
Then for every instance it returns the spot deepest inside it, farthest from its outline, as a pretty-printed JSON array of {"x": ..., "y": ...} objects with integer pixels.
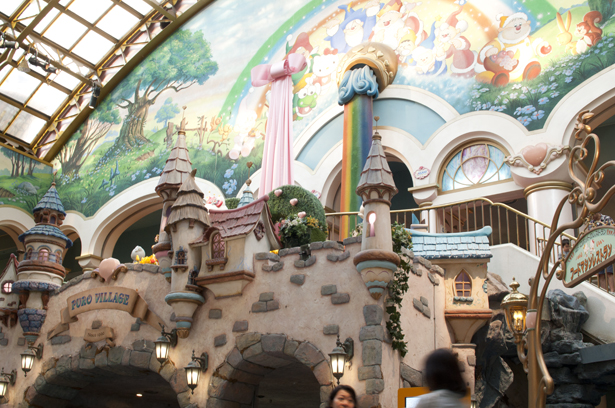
[
  {"x": 497, "y": 66},
  {"x": 456, "y": 50}
]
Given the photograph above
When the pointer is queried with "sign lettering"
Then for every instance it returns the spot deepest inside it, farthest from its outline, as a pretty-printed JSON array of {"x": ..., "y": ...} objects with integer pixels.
[{"x": 592, "y": 253}]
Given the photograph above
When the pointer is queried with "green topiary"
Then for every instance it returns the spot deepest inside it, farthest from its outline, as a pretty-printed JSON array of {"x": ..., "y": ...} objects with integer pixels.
[
  {"x": 281, "y": 208},
  {"x": 231, "y": 203}
]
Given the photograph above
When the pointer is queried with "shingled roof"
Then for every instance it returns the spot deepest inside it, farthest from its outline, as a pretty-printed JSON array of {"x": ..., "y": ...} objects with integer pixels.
[
  {"x": 189, "y": 204},
  {"x": 463, "y": 245},
  {"x": 178, "y": 166},
  {"x": 376, "y": 172},
  {"x": 239, "y": 221},
  {"x": 51, "y": 200},
  {"x": 46, "y": 229}
]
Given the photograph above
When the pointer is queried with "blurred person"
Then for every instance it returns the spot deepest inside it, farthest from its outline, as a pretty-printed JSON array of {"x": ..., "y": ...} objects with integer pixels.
[
  {"x": 342, "y": 396},
  {"x": 443, "y": 377},
  {"x": 565, "y": 248}
]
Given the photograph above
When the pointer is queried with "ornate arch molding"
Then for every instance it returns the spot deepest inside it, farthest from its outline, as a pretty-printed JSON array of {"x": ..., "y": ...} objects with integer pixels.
[
  {"x": 62, "y": 379},
  {"x": 257, "y": 354}
]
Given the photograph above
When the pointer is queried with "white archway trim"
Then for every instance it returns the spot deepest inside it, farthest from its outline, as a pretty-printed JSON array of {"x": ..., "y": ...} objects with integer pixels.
[{"x": 15, "y": 221}]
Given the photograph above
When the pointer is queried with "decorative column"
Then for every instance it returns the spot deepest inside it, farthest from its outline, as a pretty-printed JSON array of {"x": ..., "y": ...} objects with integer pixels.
[
  {"x": 41, "y": 270},
  {"x": 364, "y": 72},
  {"x": 175, "y": 172}
]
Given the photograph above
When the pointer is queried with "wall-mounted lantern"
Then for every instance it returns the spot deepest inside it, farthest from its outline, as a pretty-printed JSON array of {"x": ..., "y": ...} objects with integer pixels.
[
  {"x": 6, "y": 379},
  {"x": 164, "y": 343},
  {"x": 28, "y": 356},
  {"x": 195, "y": 368},
  {"x": 515, "y": 306},
  {"x": 341, "y": 354}
]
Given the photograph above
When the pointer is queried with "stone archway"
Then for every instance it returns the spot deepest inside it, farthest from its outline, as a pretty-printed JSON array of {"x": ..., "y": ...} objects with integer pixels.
[
  {"x": 109, "y": 376},
  {"x": 257, "y": 357}
]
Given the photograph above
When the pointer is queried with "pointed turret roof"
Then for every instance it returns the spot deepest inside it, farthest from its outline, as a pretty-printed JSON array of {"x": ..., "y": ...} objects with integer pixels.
[
  {"x": 51, "y": 200},
  {"x": 189, "y": 204},
  {"x": 376, "y": 173},
  {"x": 178, "y": 166},
  {"x": 247, "y": 197}
]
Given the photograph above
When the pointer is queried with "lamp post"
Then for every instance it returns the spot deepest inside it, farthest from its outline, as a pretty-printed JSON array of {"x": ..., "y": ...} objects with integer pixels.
[
  {"x": 342, "y": 353},
  {"x": 195, "y": 368},
  {"x": 584, "y": 195},
  {"x": 164, "y": 343}
]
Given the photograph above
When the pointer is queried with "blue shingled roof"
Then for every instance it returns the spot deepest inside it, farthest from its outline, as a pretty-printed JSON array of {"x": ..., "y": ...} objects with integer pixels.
[
  {"x": 51, "y": 200},
  {"x": 462, "y": 245},
  {"x": 49, "y": 230}
]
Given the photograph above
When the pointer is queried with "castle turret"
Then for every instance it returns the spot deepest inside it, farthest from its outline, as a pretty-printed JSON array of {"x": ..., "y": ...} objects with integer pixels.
[
  {"x": 187, "y": 220},
  {"x": 376, "y": 262},
  {"x": 41, "y": 270},
  {"x": 248, "y": 196},
  {"x": 175, "y": 172}
]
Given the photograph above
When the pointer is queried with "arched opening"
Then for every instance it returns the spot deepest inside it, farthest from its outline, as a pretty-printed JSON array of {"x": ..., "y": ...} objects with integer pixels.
[
  {"x": 272, "y": 371},
  {"x": 7, "y": 247},
  {"x": 70, "y": 263},
  {"x": 143, "y": 233},
  {"x": 112, "y": 377}
]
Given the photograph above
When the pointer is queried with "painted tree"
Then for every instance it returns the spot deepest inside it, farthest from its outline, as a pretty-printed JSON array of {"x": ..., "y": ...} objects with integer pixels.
[
  {"x": 16, "y": 161},
  {"x": 74, "y": 153},
  {"x": 167, "y": 111},
  {"x": 182, "y": 61}
]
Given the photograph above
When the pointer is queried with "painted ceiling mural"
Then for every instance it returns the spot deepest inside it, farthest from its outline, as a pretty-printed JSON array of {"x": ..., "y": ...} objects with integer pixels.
[{"x": 511, "y": 56}]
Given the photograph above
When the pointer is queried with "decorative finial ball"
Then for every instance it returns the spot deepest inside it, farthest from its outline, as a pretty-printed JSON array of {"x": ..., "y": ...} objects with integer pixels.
[
  {"x": 184, "y": 107},
  {"x": 278, "y": 192},
  {"x": 138, "y": 251},
  {"x": 376, "y": 118},
  {"x": 293, "y": 201},
  {"x": 302, "y": 214}
]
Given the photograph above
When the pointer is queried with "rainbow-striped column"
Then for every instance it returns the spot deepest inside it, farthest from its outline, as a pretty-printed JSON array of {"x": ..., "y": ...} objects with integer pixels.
[{"x": 357, "y": 91}]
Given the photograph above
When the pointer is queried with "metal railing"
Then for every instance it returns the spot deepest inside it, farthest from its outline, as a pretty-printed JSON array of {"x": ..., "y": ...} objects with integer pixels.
[{"x": 508, "y": 224}]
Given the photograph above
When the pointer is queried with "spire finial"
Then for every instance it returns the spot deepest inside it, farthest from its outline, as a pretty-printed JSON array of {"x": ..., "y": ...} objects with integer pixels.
[
  {"x": 376, "y": 135},
  {"x": 183, "y": 124}
]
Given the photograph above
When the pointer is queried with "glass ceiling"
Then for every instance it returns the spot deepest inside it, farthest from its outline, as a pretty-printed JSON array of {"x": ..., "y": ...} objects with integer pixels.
[{"x": 85, "y": 40}]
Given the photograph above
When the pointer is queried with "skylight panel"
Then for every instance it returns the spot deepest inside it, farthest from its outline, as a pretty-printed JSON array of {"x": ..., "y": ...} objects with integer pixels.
[
  {"x": 17, "y": 54},
  {"x": 8, "y": 7},
  {"x": 47, "y": 99},
  {"x": 4, "y": 71},
  {"x": 19, "y": 86},
  {"x": 66, "y": 80},
  {"x": 139, "y": 5},
  {"x": 93, "y": 47},
  {"x": 117, "y": 22},
  {"x": 42, "y": 25},
  {"x": 7, "y": 113},
  {"x": 26, "y": 127},
  {"x": 65, "y": 31},
  {"x": 90, "y": 10},
  {"x": 30, "y": 11}
]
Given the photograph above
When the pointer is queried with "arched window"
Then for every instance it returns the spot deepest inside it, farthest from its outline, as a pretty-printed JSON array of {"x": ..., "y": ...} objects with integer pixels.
[
  {"x": 52, "y": 220},
  {"x": 474, "y": 164},
  {"x": 180, "y": 258},
  {"x": 217, "y": 246},
  {"x": 29, "y": 253},
  {"x": 371, "y": 223},
  {"x": 463, "y": 285},
  {"x": 58, "y": 256},
  {"x": 43, "y": 254},
  {"x": 7, "y": 286}
]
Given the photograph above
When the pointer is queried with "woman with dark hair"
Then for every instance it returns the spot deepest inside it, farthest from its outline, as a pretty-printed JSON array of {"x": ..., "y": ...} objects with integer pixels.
[
  {"x": 443, "y": 378},
  {"x": 342, "y": 396}
]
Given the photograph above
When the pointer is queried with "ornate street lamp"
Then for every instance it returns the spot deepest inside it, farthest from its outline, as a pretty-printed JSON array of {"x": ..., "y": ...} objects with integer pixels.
[
  {"x": 342, "y": 353},
  {"x": 6, "y": 379},
  {"x": 28, "y": 356},
  {"x": 195, "y": 368},
  {"x": 164, "y": 343},
  {"x": 515, "y": 305}
]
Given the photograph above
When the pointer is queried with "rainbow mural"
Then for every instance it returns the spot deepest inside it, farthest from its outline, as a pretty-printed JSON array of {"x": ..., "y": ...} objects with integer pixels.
[{"x": 504, "y": 56}]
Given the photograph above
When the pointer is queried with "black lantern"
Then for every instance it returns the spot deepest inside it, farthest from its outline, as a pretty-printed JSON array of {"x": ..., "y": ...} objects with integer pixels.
[
  {"x": 342, "y": 353},
  {"x": 164, "y": 343},
  {"x": 195, "y": 368},
  {"x": 6, "y": 379},
  {"x": 28, "y": 356}
]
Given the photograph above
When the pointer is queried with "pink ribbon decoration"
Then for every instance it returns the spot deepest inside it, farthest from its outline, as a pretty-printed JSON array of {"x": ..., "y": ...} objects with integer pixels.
[{"x": 278, "y": 157}]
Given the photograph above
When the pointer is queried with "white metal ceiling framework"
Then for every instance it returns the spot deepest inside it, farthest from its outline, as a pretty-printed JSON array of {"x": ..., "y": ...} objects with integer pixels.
[{"x": 88, "y": 44}]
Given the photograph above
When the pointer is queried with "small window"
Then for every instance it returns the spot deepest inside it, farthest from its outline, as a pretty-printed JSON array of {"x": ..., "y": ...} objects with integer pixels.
[
  {"x": 29, "y": 253},
  {"x": 43, "y": 254},
  {"x": 7, "y": 286},
  {"x": 371, "y": 220},
  {"x": 463, "y": 285},
  {"x": 217, "y": 246},
  {"x": 52, "y": 220},
  {"x": 181, "y": 257}
]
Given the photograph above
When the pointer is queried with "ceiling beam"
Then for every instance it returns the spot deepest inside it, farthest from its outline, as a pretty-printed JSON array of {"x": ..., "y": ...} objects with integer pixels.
[
  {"x": 86, "y": 23},
  {"x": 122, "y": 73},
  {"x": 21, "y": 106},
  {"x": 161, "y": 10},
  {"x": 41, "y": 15}
]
